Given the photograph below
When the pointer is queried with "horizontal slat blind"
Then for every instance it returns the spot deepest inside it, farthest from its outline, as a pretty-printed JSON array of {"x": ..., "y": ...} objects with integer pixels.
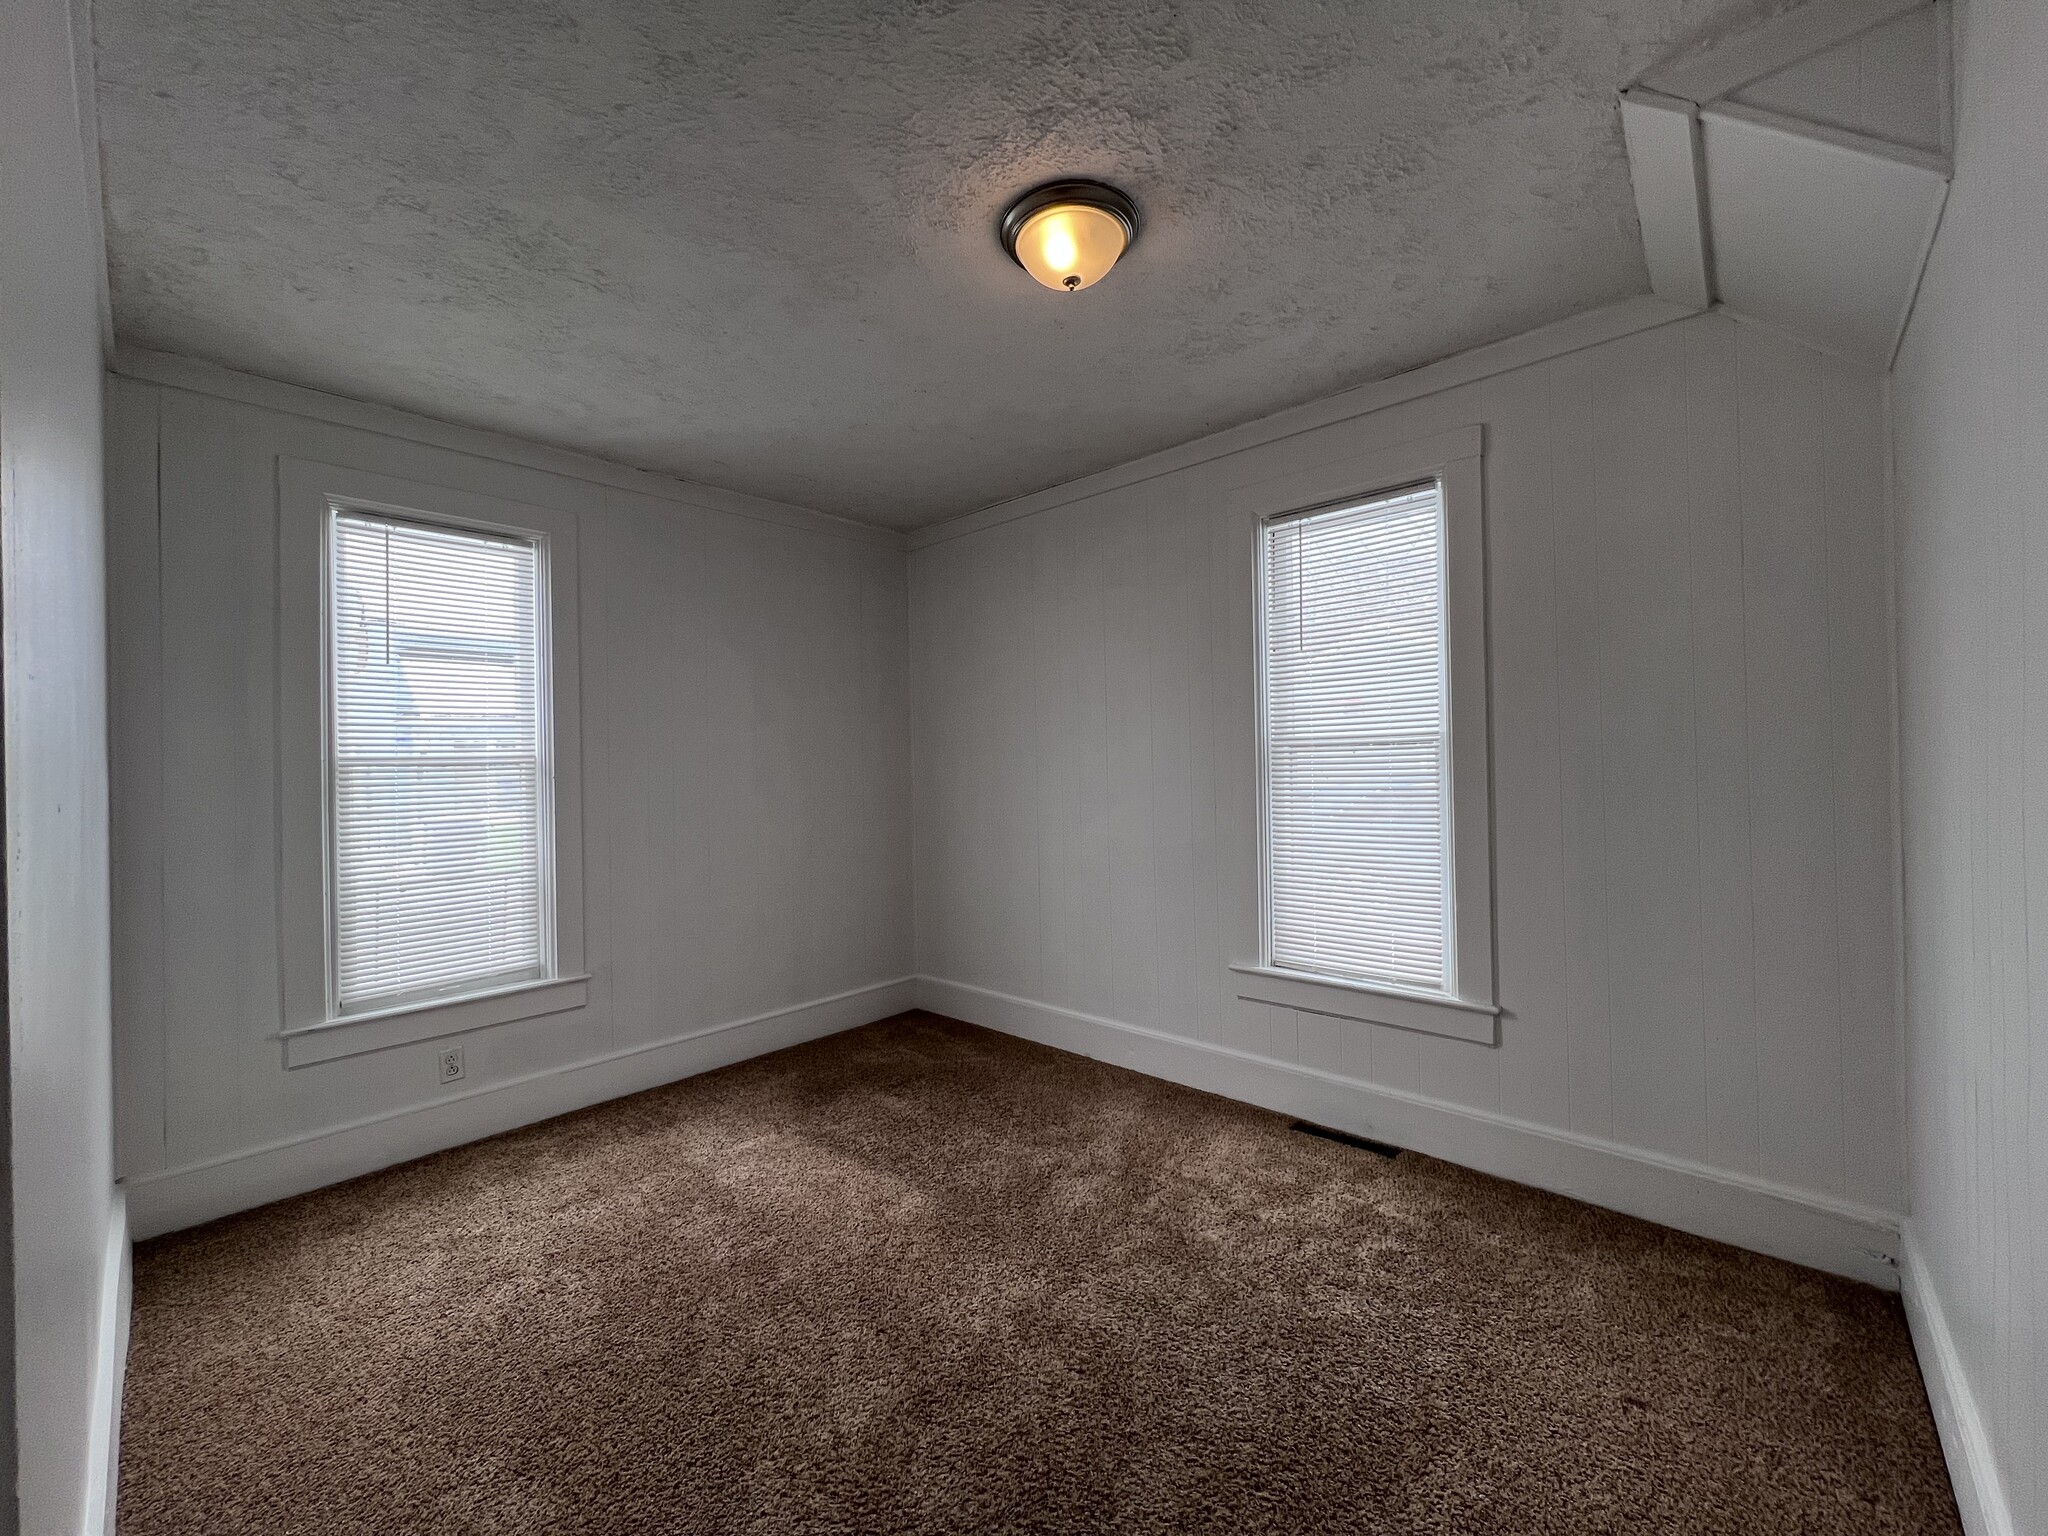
[
  {"x": 1356, "y": 733},
  {"x": 436, "y": 753}
]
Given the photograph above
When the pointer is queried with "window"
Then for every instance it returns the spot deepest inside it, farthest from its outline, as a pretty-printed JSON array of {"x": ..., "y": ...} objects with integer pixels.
[
  {"x": 1367, "y": 848},
  {"x": 1357, "y": 739},
  {"x": 437, "y": 761},
  {"x": 429, "y": 761}
]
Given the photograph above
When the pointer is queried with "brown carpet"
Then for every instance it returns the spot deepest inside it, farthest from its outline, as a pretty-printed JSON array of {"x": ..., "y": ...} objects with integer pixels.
[{"x": 924, "y": 1278}]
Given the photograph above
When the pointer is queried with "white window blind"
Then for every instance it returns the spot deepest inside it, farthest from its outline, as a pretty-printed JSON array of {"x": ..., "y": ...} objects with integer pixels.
[
  {"x": 1356, "y": 732},
  {"x": 437, "y": 747}
]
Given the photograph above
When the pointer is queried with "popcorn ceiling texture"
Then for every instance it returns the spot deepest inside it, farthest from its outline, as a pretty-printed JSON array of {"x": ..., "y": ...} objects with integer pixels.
[{"x": 752, "y": 244}]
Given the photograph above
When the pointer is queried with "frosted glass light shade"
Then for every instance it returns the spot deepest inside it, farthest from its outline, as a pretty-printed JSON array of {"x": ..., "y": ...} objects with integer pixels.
[
  {"x": 1069, "y": 234},
  {"x": 1070, "y": 247}
]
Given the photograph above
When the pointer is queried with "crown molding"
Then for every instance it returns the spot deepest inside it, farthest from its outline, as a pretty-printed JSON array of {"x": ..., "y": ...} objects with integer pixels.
[
  {"x": 1590, "y": 328},
  {"x": 172, "y": 371}
]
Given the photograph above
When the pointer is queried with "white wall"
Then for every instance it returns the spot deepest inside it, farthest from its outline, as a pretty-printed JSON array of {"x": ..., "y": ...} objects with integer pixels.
[
  {"x": 67, "y": 1248},
  {"x": 1688, "y": 591},
  {"x": 1971, "y": 438},
  {"x": 745, "y": 819},
  {"x": 1884, "y": 83}
]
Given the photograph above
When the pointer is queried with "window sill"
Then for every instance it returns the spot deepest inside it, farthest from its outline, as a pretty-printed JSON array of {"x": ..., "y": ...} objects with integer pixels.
[
  {"x": 1454, "y": 1017},
  {"x": 335, "y": 1038}
]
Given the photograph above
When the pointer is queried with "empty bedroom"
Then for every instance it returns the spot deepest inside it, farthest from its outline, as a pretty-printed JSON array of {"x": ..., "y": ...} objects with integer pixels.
[{"x": 947, "y": 766}]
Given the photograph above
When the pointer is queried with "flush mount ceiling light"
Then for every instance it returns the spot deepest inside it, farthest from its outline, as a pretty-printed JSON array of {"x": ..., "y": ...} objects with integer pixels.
[{"x": 1068, "y": 234}]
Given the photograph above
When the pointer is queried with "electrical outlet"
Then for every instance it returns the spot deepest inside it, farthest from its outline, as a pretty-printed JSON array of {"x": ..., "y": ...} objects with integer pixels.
[{"x": 451, "y": 1064}]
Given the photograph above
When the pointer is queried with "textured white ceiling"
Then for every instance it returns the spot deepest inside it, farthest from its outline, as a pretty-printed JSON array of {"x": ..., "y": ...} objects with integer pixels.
[{"x": 752, "y": 244}]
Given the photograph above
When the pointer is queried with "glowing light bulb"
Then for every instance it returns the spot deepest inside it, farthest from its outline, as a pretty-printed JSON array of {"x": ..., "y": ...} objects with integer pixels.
[
  {"x": 1058, "y": 250},
  {"x": 1070, "y": 242}
]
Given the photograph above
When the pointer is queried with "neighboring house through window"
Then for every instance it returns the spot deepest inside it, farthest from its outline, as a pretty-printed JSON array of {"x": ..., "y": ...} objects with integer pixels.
[
  {"x": 438, "y": 776},
  {"x": 430, "y": 771}
]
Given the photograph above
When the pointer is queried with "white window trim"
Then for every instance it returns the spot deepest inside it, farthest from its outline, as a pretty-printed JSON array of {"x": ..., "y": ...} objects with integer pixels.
[
  {"x": 310, "y": 1028},
  {"x": 1454, "y": 460}
]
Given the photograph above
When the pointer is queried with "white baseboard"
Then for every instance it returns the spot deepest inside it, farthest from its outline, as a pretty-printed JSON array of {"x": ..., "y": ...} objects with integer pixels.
[
  {"x": 1800, "y": 1225},
  {"x": 184, "y": 1197},
  {"x": 110, "y": 1370},
  {"x": 1972, "y": 1467}
]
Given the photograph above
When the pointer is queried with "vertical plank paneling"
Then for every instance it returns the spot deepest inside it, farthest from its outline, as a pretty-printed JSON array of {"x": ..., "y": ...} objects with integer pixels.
[
  {"x": 1239, "y": 1024},
  {"x": 1061, "y": 738},
  {"x": 1667, "y": 544},
  {"x": 2026, "y": 1149},
  {"x": 1174, "y": 639},
  {"x": 1580, "y": 478},
  {"x": 820, "y": 611},
  {"x": 1522, "y": 514},
  {"x": 935, "y": 818},
  {"x": 885, "y": 727},
  {"x": 1648, "y": 766},
  {"x": 1133, "y": 896},
  {"x": 659, "y": 655},
  {"x": 1720, "y": 668},
  {"x": 135, "y": 775},
  {"x": 600, "y": 810},
  {"x": 1970, "y": 429},
  {"x": 610, "y": 805},
  {"x": 1861, "y": 687},
  {"x": 1089, "y": 934},
  {"x": 218, "y": 564},
  {"x": 1456, "y": 1070},
  {"x": 2003, "y": 911},
  {"x": 746, "y": 807},
  {"x": 1394, "y": 1057},
  {"x": 1015, "y": 943},
  {"x": 1791, "y": 775},
  {"x": 999, "y": 783},
  {"x": 1208, "y": 635},
  {"x": 956, "y": 643},
  {"x": 749, "y": 857}
]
